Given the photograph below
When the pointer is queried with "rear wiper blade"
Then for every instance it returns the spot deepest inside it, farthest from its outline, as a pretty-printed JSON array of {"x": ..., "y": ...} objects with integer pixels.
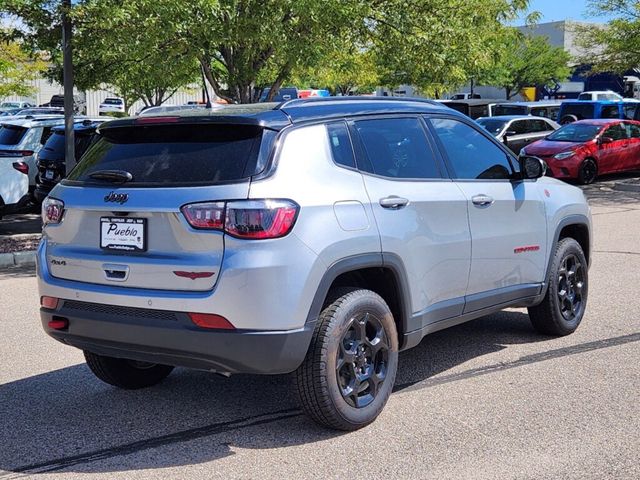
[{"x": 115, "y": 176}]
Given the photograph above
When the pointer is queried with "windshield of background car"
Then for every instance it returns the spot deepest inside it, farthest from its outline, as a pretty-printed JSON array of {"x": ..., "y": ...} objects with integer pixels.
[
  {"x": 10, "y": 105},
  {"x": 580, "y": 111},
  {"x": 112, "y": 101},
  {"x": 174, "y": 155},
  {"x": 11, "y": 134},
  {"x": 492, "y": 125},
  {"x": 575, "y": 133},
  {"x": 510, "y": 110}
]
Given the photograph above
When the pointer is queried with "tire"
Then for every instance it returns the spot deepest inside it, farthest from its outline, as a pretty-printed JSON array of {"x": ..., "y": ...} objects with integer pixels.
[
  {"x": 588, "y": 171},
  {"x": 568, "y": 119},
  {"x": 565, "y": 302},
  {"x": 347, "y": 333},
  {"x": 127, "y": 374}
]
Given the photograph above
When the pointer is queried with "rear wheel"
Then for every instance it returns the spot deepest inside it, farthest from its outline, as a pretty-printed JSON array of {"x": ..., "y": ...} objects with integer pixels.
[
  {"x": 127, "y": 374},
  {"x": 565, "y": 302},
  {"x": 588, "y": 171},
  {"x": 349, "y": 371},
  {"x": 568, "y": 119}
]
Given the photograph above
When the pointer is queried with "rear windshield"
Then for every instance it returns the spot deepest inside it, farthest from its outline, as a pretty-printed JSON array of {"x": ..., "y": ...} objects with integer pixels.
[
  {"x": 112, "y": 101},
  {"x": 580, "y": 111},
  {"x": 177, "y": 155},
  {"x": 11, "y": 134},
  {"x": 510, "y": 110},
  {"x": 460, "y": 107},
  {"x": 55, "y": 143}
]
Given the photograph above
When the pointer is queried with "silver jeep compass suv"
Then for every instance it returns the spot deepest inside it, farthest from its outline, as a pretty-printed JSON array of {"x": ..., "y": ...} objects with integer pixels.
[{"x": 319, "y": 237}]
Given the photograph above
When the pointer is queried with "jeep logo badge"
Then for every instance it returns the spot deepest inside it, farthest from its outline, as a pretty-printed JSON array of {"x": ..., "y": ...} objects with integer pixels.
[{"x": 116, "y": 197}]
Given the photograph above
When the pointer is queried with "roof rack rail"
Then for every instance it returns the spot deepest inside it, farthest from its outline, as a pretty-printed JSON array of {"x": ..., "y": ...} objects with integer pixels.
[{"x": 361, "y": 98}]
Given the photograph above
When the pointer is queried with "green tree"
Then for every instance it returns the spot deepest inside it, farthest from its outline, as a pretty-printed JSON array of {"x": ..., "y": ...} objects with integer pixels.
[
  {"x": 614, "y": 47},
  {"x": 527, "y": 62},
  {"x": 348, "y": 70},
  {"x": 17, "y": 69},
  {"x": 244, "y": 45}
]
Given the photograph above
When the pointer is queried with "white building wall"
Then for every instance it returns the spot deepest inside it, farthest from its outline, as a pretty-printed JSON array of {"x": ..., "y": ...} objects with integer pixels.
[{"x": 44, "y": 90}]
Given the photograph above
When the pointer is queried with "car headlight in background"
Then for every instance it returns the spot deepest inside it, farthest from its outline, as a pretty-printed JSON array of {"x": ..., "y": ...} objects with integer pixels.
[{"x": 563, "y": 155}]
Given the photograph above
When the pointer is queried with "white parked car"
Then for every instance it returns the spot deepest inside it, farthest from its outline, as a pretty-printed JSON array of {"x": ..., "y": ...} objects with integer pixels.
[
  {"x": 596, "y": 95},
  {"x": 22, "y": 139},
  {"x": 14, "y": 184},
  {"x": 111, "y": 105},
  {"x": 10, "y": 105}
]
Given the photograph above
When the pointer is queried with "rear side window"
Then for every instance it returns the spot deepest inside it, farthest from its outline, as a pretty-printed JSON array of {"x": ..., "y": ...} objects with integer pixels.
[
  {"x": 177, "y": 155},
  {"x": 580, "y": 111},
  {"x": 11, "y": 134},
  {"x": 471, "y": 155},
  {"x": 610, "y": 111},
  {"x": 509, "y": 110},
  {"x": 340, "y": 142},
  {"x": 397, "y": 148}
]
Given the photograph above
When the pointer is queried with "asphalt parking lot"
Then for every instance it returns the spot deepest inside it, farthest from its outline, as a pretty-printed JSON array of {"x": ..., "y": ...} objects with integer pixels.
[{"x": 487, "y": 399}]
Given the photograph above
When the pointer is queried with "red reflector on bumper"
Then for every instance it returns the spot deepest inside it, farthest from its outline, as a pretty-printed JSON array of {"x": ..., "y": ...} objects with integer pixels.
[
  {"x": 49, "y": 302},
  {"x": 58, "y": 323},
  {"x": 210, "y": 320}
]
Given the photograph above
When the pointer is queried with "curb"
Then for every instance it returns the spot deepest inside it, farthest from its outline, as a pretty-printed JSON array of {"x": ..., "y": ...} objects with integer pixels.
[
  {"x": 627, "y": 187},
  {"x": 22, "y": 259}
]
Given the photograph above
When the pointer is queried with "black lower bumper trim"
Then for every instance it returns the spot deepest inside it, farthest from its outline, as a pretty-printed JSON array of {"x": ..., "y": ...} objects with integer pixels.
[{"x": 174, "y": 343}]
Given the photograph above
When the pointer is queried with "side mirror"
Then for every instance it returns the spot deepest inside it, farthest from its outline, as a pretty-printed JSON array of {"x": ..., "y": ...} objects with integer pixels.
[
  {"x": 506, "y": 135},
  {"x": 605, "y": 140},
  {"x": 532, "y": 167}
]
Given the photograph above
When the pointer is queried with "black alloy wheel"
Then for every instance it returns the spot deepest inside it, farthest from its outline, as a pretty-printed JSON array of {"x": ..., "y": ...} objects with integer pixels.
[{"x": 361, "y": 366}]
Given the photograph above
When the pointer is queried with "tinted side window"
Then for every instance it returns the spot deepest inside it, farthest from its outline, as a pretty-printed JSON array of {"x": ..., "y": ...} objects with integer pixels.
[
  {"x": 46, "y": 133},
  {"x": 617, "y": 132},
  {"x": 540, "y": 126},
  {"x": 397, "y": 148},
  {"x": 633, "y": 130},
  {"x": 471, "y": 155},
  {"x": 610, "y": 111},
  {"x": 630, "y": 111},
  {"x": 341, "y": 144},
  {"x": 520, "y": 127}
]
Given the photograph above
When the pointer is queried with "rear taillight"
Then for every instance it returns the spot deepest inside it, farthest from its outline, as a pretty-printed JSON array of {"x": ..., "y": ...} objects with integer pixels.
[
  {"x": 24, "y": 153},
  {"x": 208, "y": 216},
  {"x": 52, "y": 211},
  {"x": 248, "y": 219},
  {"x": 21, "y": 167}
]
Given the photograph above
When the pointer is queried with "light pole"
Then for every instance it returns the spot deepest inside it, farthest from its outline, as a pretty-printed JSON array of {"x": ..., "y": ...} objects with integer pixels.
[{"x": 67, "y": 80}]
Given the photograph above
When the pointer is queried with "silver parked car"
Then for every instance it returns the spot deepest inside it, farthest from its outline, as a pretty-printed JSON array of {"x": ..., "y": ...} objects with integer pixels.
[
  {"x": 518, "y": 131},
  {"x": 319, "y": 237}
]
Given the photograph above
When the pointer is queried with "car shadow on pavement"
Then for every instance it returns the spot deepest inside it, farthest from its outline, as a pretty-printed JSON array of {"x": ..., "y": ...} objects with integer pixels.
[
  {"x": 68, "y": 420},
  {"x": 27, "y": 223}
]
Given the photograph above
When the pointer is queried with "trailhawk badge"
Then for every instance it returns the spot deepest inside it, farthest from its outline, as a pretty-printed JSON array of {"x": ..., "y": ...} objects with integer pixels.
[{"x": 116, "y": 197}]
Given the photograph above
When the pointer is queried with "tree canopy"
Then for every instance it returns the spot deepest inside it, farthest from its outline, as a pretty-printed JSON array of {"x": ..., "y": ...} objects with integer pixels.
[
  {"x": 147, "y": 48},
  {"x": 528, "y": 61},
  {"x": 614, "y": 47},
  {"x": 17, "y": 69}
]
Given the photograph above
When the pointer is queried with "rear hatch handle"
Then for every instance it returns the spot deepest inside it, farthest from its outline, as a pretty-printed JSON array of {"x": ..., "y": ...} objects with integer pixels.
[{"x": 115, "y": 272}]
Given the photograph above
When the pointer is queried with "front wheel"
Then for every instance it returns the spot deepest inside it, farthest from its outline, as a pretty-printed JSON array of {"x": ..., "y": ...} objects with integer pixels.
[
  {"x": 588, "y": 171},
  {"x": 565, "y": 302},
  {"x": 127, "y": 374},
  {"x": 349, "y": 371}
]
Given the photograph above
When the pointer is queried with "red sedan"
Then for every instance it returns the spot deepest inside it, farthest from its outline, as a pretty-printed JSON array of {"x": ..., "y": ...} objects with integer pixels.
[{"x": 585, "y": 149}]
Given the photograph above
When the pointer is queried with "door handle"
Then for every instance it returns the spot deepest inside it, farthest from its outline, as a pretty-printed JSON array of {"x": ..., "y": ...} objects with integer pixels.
[
  {"x": 393, "y": 203},
  {"x": 482, "y": 200}
]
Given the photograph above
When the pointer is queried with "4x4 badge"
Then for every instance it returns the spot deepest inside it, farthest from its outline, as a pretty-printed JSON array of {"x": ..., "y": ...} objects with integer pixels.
[{"x": 116, "y": 197}]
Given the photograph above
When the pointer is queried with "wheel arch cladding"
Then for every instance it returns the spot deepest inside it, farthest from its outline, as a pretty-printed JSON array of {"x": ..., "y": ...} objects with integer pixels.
[
  {"x": 579, "y": 231},
  {"x": 381, "y": 273}
]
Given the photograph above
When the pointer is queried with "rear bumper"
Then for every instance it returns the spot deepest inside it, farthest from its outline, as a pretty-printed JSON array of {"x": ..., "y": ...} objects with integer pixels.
[{"x": 170, "y": 338}]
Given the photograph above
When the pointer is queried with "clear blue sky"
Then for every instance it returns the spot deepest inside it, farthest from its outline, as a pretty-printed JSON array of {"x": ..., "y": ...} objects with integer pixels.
[{"x": 555, "y": 10}]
